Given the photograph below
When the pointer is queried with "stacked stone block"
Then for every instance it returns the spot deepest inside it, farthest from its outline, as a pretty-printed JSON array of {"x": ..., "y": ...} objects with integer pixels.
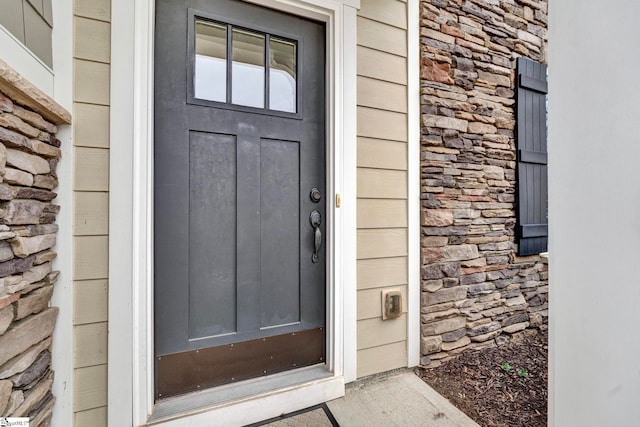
[
  {"x": 29, "y": 152},
  {"x": 476, "y": 292}
]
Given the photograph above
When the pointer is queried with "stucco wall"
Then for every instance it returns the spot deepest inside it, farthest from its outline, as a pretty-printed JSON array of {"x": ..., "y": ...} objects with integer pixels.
[{"x": 594, "y": 212}]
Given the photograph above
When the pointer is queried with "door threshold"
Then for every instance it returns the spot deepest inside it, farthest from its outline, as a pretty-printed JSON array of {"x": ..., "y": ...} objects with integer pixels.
[{"x": 231, "y": 398}]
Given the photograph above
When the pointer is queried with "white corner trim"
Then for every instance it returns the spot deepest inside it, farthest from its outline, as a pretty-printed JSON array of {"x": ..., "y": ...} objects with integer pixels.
[
  {"x": 131, "y": 372},
  {"x": 413, "y": 173},
  {"x": 347, "y": 121},
  {"x": 21, "y": 59},
  {"x": 60, "y": 88}
]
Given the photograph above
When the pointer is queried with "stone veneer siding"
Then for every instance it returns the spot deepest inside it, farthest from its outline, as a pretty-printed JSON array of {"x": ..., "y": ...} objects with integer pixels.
[
  {"x": 476, "y": 292},
  {"x": 28, "y": 156}
]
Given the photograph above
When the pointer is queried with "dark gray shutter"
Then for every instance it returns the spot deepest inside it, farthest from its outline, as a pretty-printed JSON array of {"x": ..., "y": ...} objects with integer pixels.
[{"x": 531, "y": 143}]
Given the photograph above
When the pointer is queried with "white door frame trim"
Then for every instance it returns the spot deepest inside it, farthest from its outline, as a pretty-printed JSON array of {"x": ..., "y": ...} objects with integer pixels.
[
  {"x": 130, "y": 375},
  {"x": 413, "y": 173}
]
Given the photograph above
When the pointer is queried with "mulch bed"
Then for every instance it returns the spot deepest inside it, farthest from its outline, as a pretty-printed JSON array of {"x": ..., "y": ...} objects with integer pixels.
[{"x": 500, "y": 386}]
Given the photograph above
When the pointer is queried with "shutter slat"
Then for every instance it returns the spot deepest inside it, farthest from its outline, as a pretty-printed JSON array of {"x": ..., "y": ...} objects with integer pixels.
[
  {"x": 534, "y": 230},
  {"x": 533, "y": 84},
  {"x": 531, "y": 135},
  {"x": 528, "y": 156}
]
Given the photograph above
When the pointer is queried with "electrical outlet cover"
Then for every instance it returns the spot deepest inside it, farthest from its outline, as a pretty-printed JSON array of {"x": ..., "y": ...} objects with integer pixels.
[{"x": 391, "y": 304}]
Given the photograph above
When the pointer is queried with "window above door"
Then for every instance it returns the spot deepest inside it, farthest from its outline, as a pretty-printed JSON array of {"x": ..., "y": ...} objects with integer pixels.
[{"x": 241, "y": 68}]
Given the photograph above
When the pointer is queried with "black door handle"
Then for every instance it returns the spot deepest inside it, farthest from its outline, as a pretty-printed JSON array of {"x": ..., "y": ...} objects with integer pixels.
[{"x": 316, "y": 219}]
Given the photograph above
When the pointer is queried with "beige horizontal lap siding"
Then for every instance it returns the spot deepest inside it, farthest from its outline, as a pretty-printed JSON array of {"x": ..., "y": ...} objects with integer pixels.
[
  {"x": 382, "y": 182},
  {"x": 92, "y": 52}
]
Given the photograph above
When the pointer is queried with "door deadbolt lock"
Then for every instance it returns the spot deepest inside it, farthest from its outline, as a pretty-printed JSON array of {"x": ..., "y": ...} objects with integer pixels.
[{"x": 315, "y": 195}]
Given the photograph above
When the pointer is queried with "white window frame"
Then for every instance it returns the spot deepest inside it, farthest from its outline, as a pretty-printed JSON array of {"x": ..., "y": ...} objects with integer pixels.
[
  {"x": 131, "y": 373},
  {"x": 26, "y": 63}
]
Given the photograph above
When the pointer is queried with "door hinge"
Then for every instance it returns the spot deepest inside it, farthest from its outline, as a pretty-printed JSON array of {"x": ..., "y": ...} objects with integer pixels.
[{"x": 338, "y": 200}]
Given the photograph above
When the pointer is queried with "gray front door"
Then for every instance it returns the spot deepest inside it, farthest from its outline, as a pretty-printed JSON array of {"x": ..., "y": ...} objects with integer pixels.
[{"x": 240, "y": 214}]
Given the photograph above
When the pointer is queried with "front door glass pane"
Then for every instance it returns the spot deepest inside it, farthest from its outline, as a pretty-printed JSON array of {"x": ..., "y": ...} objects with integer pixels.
[
  {"x": 282, "y": 75},
  {"x": 248, "y": 68},
  {"x": 210, "y": 80}
]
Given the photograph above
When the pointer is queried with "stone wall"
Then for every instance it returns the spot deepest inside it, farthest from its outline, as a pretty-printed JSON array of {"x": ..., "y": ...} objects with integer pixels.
[
  {"x": 29, "y": 152},
  {"x": 476, "y": 292}
]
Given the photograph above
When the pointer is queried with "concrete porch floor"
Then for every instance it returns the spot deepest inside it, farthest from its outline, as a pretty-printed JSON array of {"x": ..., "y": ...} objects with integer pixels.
[{"x": 397, "y": 398}]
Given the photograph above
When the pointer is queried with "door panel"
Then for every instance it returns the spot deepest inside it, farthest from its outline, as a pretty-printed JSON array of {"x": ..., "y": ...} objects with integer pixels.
[
  {"x": 233, "y": 241},
  {"x": 212, "y": 254},
  {"x": 279, "y": 232}
]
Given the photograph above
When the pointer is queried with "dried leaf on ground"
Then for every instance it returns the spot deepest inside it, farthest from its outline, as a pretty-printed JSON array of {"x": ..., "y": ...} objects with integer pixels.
[{"x": 493, "y": 397}]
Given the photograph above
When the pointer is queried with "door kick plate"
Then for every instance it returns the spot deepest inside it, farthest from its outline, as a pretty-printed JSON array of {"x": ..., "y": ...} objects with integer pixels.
[{"x": 195, "y": 370}]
